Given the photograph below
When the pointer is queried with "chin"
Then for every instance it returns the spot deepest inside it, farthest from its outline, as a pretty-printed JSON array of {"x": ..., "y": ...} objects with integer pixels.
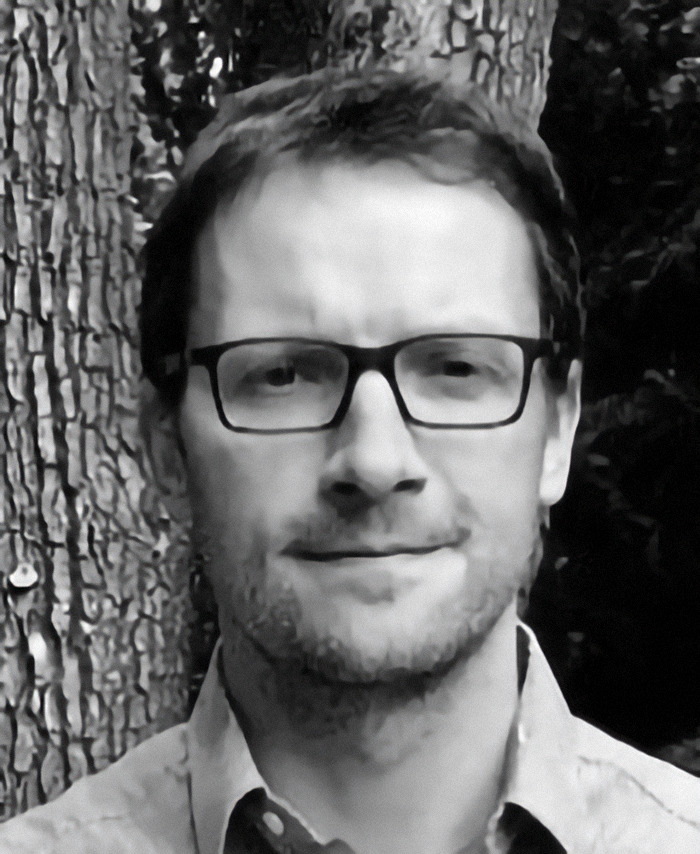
[
  {"x": 329, "y": 623},
  {"x": 368, "y": 645}
]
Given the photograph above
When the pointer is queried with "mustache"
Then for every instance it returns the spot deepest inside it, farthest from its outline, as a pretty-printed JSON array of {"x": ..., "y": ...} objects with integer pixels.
[
  {"x": 326, "y": 537},
  {"x": 322, "y": 533}
]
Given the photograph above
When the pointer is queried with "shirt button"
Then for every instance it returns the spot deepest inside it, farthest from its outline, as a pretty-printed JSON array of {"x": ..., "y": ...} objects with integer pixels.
[
  {"x": 337, "y": 846},
  {"x": 274, "y": 823}
]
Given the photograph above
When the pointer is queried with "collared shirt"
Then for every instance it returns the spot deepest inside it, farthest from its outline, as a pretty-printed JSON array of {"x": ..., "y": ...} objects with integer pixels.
[{"x": 195, "y": 789}]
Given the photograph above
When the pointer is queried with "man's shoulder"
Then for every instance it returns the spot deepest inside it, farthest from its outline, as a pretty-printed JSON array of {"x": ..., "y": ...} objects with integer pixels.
[
  {"x": 634, "y": 796},
  {"x": 139, "y": 804}
]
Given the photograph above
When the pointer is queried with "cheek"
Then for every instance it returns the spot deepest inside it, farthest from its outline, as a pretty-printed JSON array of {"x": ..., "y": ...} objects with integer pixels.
[
  {"x": 245, "y": 491},
  {"x": 243, "y": 482},
  {"x": 497, "y": 471},
  {"x": 496, "y": 474}
]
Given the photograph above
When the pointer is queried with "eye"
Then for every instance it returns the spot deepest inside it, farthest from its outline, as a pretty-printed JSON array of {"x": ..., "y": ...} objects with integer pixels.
[
  {"x": 280, "y": 376},
  {"x": 454, "y": 368}
]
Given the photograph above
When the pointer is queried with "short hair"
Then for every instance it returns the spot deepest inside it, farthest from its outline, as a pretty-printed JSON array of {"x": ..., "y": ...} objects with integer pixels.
[{"x": 448, "y": 134}]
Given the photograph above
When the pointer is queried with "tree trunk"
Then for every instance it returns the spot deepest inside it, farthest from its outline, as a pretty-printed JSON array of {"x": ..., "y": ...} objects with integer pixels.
[
  {"x": 91, "y": 649},
  {"x": 500, "y": 45}
]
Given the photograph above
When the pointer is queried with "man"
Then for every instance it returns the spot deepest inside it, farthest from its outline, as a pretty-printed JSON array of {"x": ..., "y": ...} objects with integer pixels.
[{"x": 361, "y": 318}]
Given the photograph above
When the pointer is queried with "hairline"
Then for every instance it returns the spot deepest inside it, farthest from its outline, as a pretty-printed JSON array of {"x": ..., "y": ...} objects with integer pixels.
[
  {"x": 510, "y": 159},
  {"x": 285, "y": 159}
]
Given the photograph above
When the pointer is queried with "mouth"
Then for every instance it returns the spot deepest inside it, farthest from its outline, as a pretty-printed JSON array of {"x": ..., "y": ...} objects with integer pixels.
[{"x": 322, "y": 555}]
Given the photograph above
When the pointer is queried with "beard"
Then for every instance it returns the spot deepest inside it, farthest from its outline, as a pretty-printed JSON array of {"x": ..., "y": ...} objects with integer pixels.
[{"x": 277, "y": 620}]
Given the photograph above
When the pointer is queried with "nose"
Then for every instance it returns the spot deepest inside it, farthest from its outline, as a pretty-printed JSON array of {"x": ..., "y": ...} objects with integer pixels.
[{"x": 373, "y": 455}]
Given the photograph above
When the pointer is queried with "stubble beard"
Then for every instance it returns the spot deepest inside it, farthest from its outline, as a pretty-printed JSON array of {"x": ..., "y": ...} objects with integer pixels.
[{"x": 325, "y": 684}]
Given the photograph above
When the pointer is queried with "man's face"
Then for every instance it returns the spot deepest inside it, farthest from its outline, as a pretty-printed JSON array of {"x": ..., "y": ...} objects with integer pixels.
[{"x": 426, "y": 535}]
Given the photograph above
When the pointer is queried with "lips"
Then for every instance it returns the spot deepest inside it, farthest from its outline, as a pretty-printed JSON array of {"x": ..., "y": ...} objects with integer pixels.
[{"x": 323, "y": 554}]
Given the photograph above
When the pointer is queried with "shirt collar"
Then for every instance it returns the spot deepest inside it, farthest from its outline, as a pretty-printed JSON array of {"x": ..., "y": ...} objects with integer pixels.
[
  {"x": 222, "y": 770},
  {"x": 540, "y": 771}
]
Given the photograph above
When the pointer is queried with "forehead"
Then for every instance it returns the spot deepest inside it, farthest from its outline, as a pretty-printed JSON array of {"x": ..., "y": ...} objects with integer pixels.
[{"x": 364, "y": 254}]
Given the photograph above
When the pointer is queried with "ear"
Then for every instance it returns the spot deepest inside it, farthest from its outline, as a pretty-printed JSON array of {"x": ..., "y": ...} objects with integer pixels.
[
  {"x": 564, "y": 409},
  {"x": 164, "y": 451}
]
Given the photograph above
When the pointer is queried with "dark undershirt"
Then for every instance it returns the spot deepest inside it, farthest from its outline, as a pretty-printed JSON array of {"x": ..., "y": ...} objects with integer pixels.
[{"x": 258, "y": 825}]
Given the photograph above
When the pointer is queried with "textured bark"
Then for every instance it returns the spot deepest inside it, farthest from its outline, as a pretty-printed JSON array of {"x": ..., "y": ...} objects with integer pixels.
[
  {"x": 93, "y": 654},
  {"x": 91, "y": 657},
  {"x": 501, "y": 45}
]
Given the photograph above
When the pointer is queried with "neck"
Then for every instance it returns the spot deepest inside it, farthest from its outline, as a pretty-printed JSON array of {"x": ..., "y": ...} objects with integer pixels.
[{"x": 413, "y": 767}]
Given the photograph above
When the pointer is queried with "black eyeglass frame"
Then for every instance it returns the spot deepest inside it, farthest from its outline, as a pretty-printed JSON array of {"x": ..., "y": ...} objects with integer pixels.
[{"x": 361, "y": 360}]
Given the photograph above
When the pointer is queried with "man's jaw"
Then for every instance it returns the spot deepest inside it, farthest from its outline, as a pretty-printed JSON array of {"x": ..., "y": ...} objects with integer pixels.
[{"x": 333, "y": 669}]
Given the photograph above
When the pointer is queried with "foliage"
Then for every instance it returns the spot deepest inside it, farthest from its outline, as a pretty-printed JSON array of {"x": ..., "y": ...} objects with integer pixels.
[
  {"x": 190, "y": 52},
  {"x": 619, "y": 593},
  {"x": 623, "y": 117},
  {"x": 617, "y": 598}
]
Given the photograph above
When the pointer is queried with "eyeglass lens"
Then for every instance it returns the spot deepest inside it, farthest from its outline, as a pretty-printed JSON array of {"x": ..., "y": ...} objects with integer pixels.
[
  {"x": 287, "y": 385},
  {"x": 281, "y": 385}
]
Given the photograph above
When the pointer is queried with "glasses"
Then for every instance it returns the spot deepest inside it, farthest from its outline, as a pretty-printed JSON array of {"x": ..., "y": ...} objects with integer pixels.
[{"x": 293, "y": 385}]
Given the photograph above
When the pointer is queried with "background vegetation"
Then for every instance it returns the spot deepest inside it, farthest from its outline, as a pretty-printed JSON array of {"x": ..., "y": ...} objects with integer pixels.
[{"x": 619, "y": 600}]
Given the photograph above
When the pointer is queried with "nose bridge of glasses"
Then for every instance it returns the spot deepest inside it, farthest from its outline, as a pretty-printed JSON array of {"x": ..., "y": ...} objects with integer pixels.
[{"x": 365, "y": 359}]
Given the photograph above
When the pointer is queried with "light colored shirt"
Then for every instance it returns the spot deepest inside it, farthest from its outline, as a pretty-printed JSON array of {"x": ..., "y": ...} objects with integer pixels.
[{"x": 581, "y": 790}]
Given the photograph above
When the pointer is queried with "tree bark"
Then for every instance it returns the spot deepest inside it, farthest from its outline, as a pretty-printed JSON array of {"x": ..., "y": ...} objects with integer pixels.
[
  {"x": 92, "y": 655},
  {"x": 500, "y": 45}
]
